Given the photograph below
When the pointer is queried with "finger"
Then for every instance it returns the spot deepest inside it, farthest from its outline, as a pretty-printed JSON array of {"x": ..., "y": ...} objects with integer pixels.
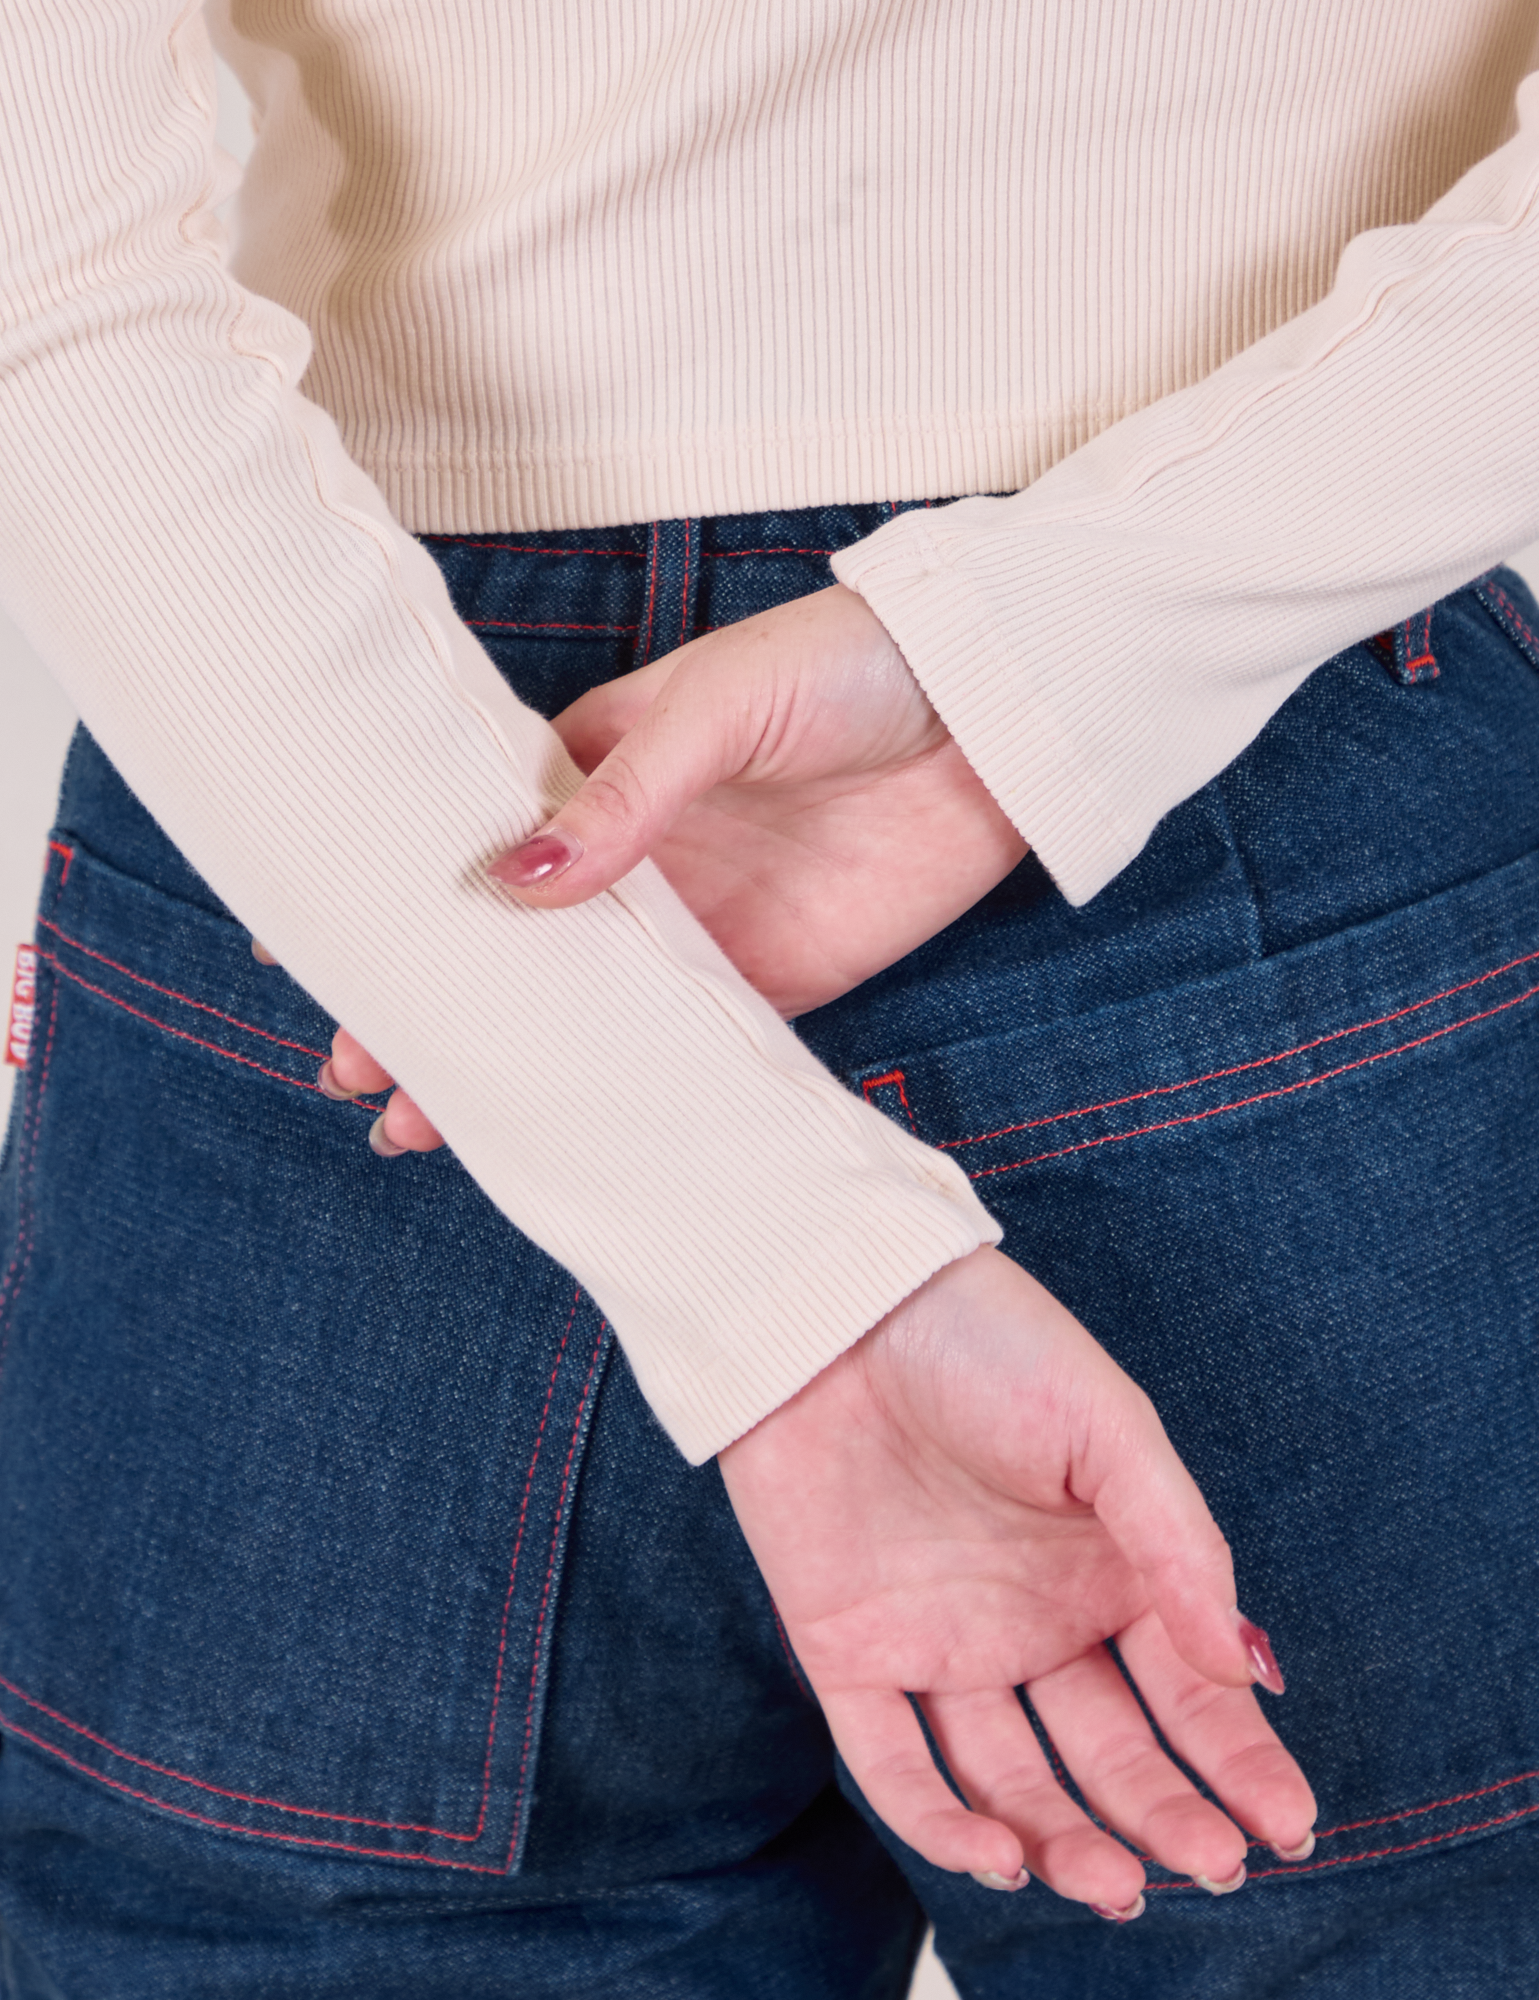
[
  {"x": 702, "y": 728},
  {"x": 1151, "y": 1507},
  {"x": 402, "y": 1127},
  {"x": 351, "y": 1070},
  {"x": 879, "y": 1738},
  {"x": 992, "y": 1751},
  {"x": 1105, "y": 1740},
  {"x": 591, "y": 726},
  {"x": 1223, "y": 1735}
]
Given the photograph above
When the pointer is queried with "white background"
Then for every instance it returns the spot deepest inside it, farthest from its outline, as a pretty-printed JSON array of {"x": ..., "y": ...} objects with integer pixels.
[{"x": 35, "y": 721}]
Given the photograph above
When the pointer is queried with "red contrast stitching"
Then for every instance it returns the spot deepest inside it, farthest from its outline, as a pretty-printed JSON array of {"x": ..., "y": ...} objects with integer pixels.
[
  {"x": 1238, "y": 1069},
  {"x": 684, "y": 591},
  {"x": 518, "y": 548},
  {"x": 281, "y": 1076},
  {"x": 186, "y": 998},
  {"x": 523, "y": 1514},
  {"x": 1261, "y": 1097},
  {"x": 21, "y": 1258},
  {"x": 1411, "y": 1812},
  {"x": 731, "y": 555},
  {"x": 354, "y": 1819},
  {"x": 791, "y": 1660},
  {"x": 231, "y": 1826},
  {"x": 58, "y": 847},
  {"x": 894, "y": 1078},
  {"x": 1375, "y": 1853},
  {"x": 550, "y": 1571},
  {"x": 1425, "y": 657},
  {"x": 553, "y": 625},
  {"x": 1513, "y": 613},
  {"x": 202, "y": 1784},
  {"x": 316, "y": 1812},
  {"x": 646, "y": 646}
]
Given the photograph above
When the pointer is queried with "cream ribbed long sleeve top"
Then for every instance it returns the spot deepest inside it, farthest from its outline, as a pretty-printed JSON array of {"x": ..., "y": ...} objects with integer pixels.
[{"x": 1242, "y": 295}]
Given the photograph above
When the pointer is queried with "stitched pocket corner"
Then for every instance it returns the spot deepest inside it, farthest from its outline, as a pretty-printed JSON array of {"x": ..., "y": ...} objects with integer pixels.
[{"x": 289, "y": 1439}]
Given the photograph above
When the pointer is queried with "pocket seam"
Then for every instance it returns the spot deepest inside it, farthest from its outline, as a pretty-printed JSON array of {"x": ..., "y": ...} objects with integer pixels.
[
  {"x": 1238, "y": 1069},
  {"x": 392, "y": 1826},
  {"x": 1264, "y": 1096}
]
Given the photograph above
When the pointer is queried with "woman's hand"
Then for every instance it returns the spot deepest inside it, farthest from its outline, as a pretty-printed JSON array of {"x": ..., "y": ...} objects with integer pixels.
[
  {"x": 973, "y": 1497},
  {"x": 794, "y": 784},
  {"x": 797, "y": 789}
]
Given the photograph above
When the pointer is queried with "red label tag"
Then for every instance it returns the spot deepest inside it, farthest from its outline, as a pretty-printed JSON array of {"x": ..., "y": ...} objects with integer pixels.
[{"x": 18, "y": 1034}]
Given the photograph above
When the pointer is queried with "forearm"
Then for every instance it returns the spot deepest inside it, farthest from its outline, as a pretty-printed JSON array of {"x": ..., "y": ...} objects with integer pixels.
[
  {"x": 1108, "y": 640},
  {"x": 275, "y": 666}
]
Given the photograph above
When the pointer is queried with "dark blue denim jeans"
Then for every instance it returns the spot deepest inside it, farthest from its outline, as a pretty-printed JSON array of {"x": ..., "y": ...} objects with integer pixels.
[{"x": 362, "y": 1636}]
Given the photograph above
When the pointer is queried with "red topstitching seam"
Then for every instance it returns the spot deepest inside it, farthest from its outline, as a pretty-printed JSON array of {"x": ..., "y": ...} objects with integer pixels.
[
  {"x": 550, "y": 1571},
  {"x": 646, "y": 645},
  {"x": 186, "y": 998},
  {"x": 1411, "y": 1812},
  {"x": 1425, "y": 657},
  {"x": 232, "y": 1826},
  {"x": 315, "y": 1812},
  {"x": 894, "y": 1077},
  {"x": 553, "y": 625},
  {"x": 281, "y": 1076},
  {"x": 517, "y": 548},
  {"x": 202, "y": 1784},
  {"x": 1238, "y": 1069},
  {"x": 21, "y": 1258},
  {"x": 729, "y": 555},
  {"x": 1375, "y": 1853},
  {"x": 523, "y": 1513},
  {"x": 1513, "y": 613},
  {"x": 58, "y": 847},
  {"x": 1261, "y": 1097}
]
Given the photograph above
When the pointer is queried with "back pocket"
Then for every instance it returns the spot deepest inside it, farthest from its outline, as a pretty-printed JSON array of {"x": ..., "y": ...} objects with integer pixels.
[
  {"x": 1296, "y": 1201},
  {"x": 289, "y": 1434}
]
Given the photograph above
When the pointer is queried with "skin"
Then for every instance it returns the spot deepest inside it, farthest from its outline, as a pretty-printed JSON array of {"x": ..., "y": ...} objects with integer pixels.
[{"x": 974, "y": 1497}]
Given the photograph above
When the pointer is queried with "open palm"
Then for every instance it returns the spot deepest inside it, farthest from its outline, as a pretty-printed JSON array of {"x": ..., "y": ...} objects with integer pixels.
[{"x": 975, "y": 1498}]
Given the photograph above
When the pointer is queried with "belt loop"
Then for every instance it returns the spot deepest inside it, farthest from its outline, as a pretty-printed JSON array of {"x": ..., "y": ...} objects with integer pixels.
[
  {"x": 670, "y": 589},
  {"x": 1508, "y": 613},
  {"x": 1407, "y": 650}
]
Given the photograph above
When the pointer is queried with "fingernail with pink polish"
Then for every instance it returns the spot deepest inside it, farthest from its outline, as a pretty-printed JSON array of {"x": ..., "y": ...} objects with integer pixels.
[
  {"x": 541, "y": 858},
  {"x": 1235, "y": 1881},
  {"x": 261, "y": 954},
  {"x": 1263, "y": 1661},
  {"x": 1302, "y": 1852},
  {"x": 987, "y": 1878},
  {"x": 328, "y": 1086},
  {"x": 382, "y": 1142},
  {"x": 1134, "y": 1909}
]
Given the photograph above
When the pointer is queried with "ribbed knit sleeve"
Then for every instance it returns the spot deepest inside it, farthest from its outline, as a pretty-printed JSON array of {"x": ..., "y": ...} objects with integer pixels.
[
  {"x": 275, "y": 667},
  {"x": 1106, "y": 641}
]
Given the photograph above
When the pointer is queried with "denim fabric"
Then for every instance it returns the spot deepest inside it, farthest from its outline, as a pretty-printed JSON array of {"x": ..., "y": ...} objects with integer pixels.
[{"x": 361, "y": 1635}]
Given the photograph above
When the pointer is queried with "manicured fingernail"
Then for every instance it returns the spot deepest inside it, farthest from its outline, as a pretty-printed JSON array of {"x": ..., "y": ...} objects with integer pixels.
[
  {"x": 1236, "y": 1881},
  {"x": 1134, "y": 1909},
  {"x": 1263, "y": 1661},
  {"x": 989, "y": 1879},
  {"x": 261, "y": 954},
  {"x": 1302, "y": 1852},
  {"x": 325, "y": 1078},
  {"x": 381, "y": 1141},
  {"x": 541, "y": 858}
]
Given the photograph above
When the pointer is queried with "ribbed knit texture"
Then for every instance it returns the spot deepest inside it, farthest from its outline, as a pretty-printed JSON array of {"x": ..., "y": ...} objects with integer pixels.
[{"x": 580, "y": 263}]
